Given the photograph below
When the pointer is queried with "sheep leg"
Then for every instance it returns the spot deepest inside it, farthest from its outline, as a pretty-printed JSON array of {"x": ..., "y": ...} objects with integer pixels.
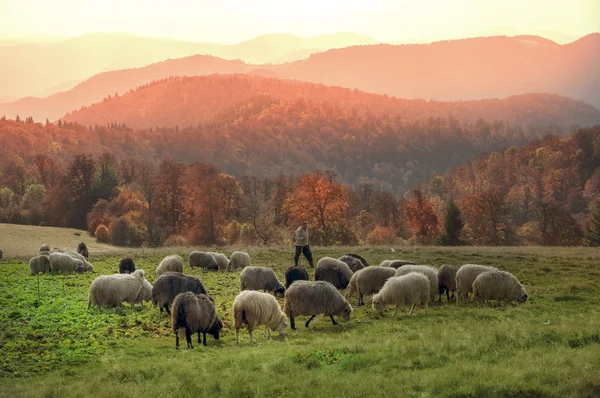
[
  {"x": 292, "y": 323},
  {"x": 412, "y": 308},
  {"x": 267, "y": 332},
  {"x": 188, "y": 337},
  {"x": 450, "y": 298},
  {"x": 425, "y": 308},
  {"x": 360, "y": 300},
  {"x": 250, "y": 330},
  {"x": 447, "y": 295},
  {"x": 199, "y": 337},
  {"x": 333, "y": 320},
  {"x": 237, "y": 335},
  {"x": 395, "y": 312},
  {"x": 177, "y": 339},
  {"x": 203, "y": 339},
  {"x": 308, "y": 322}
]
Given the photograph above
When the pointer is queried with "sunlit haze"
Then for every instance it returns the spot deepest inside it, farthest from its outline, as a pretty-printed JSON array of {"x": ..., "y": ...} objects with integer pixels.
[{"x": 230, "y": 21}]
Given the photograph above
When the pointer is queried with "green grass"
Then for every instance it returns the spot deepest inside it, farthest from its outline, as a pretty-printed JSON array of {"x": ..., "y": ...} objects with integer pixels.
[{"x": 51, "y": 345}]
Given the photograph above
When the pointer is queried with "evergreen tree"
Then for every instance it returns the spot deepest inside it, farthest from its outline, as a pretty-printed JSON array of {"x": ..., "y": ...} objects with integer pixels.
[
  {"x": 453, "y": 225},
  {"x": 593, "y": 238}
]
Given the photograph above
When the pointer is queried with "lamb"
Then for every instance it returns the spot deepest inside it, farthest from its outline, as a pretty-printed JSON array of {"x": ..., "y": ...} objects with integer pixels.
[
  {"x": 260, "y": 278},
  {"x": 221, "y": 259},
  {"x": 170, "y": 284},
  {"x": 172, "y": 263},
  {"x": 328, "y": 262},
  {"x": 61, "y": 262},
  {"x": 126, "y": 266},
  {"x": 112, "y": 290},
  {"x": 195, "y": 313},
  {"x": 83, "y": 250},
  {"x": 39, "y": 264},
  {"x": 333, "y": 275},
  {"x": 465, "y": 276},
  {"x": 412, "y": 288},
  {"x": 204, "y": 260},
  {"x": 498, "y": 285},
  {"x": 238, "y": 260},
  {"x": 313, "y": 298},
  {"x": 255, "y": 309},
  {"x": 295, "y": 274},
  {"x": 364, "y": 262},
  {"x": 368, "y": 281},
  {"x": 430, "y": 272},
  {"x": 353, "y": 263},
  {"x": 447, "y": 280},
  {"x": 44, "y": 248}
]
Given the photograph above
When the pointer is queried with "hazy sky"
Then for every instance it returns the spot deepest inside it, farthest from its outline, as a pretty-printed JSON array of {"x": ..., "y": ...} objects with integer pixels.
[{"x": 230, "y": 21}]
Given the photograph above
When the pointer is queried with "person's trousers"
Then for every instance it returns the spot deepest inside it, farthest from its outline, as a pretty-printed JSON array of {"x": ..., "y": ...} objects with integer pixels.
[{"x": 306, "y": 251}]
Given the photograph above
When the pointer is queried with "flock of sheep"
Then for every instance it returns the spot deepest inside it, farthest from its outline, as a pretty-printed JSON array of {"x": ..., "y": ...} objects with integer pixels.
[{"x": 393, "y": 283}]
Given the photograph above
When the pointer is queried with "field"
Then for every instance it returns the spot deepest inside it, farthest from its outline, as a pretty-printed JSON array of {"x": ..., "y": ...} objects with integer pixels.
[{"x": 52, "y": 346}]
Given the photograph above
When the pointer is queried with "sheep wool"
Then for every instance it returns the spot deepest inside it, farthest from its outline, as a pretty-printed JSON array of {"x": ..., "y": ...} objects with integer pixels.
[
  {"x": 44, "y": 248},
  {"x": 145, "y": 293},
  {"x": 353, "y": 263},
  {"x": 447, "y": 281},
  {"x": 83, "y": 250},
  {"x": 61, "y": 262},
  {"x": 364, "y": 262},
  {"x": 465, "y": 276},
  {"x": 238, "y": 260},
  {"x": 430, "y": 272},
  {"x": 254, "y": 309},
  {"x": 221, "y": 259},
  {"x": 368, "y": 281},
  {"x": 113, "y": 290},
  {"x": 197, "y": 314},
  {"x": 126, "y": 266},
  {"x": 412, "y": 288},
  {"x": 203, "y": 260},
  {"x": 313, "y": 298},
  {"x": 329, "y": 262},
  {"x": 498, "y": 285},
  {"x": 170, "y": 284},
  {"x": 260, "y": 278},
  {"x": 39, "y": 264},
  {"x": 333, "y": 275},
  {"x": 172, "y": 263},
  {"x": 295, "y": 274}
]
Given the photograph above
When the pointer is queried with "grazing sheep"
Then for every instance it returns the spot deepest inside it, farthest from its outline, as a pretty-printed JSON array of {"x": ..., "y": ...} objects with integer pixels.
[
  {"x": 238, "y": 260},
  {"x": 385, "y": 263},
  {"x": 195, "y": 313},
  {"x": 255, "y": 309},
  {"x": 172, "y": 263},
  {"x": 364, "y": 262},
  {"x": 83, "y": 250},
  {"x": 447, "y": 280},
  {"x": 61, "y": 262},
  {"x": 465, "y": 276},
  {"x": 203, "y": 260},
  {"x": 126, "y": 266},
  {"x": 44, "y": 248},
  {"x": 313, "y": 298},
  {"x": 334, "y": 275},
  {"x": 329, "y": 262},
  {"x": 498, "y": 285},
  {"x": 368, "y": 281},
  {"x": 145, "y": 293},
  {"x": 260, "y": 278},
  {"x": 170, "y": 284},
  {"x": 221, "y": 259},
  {"x": 400, "y": 263},
  {"x": 39, "y": 264},
  {"x": 430, "y": 272},
  {"x": 353, "y": 263},
  {"x": 112, "y": 290},
  {"x": 295, "y": 274},
  {"x": 85, "y": 265},
  {"x": 412, "y": 288}
]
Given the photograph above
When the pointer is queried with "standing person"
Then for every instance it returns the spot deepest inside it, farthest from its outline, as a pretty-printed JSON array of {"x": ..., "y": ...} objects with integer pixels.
[{"x": 301, "y": 241}]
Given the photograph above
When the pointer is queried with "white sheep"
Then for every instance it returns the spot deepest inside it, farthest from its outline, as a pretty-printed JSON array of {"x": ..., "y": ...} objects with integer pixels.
[
  {"x": 61, "y": 262},
  {"x": 498, "y": 285},
  {"x": 221, "y": 259},
  {"x": 330, "y": 262},
  {"x": 238, "y": 260},
  {"x": 412, "y": 288},
  {"x": 430, "y": 272},
  {"x": 368, "y": 281},
  {"x": 39, "y": 264},
  {"x": 112, "y": 290},
  {"x": 145, "y": 293},
  {"x": 260, "y": 278},
  {"x": 465, "y": 276},
  {"x": 44, "y": 248},
  {"x": 255, "y": 309},
  {"x": 203, "y": 260},
  {"x": 172, "y": 263}
]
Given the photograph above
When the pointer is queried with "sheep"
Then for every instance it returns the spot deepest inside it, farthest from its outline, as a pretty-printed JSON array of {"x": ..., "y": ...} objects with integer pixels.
[
  {"x": 61, "y": 262},
  {"x": 430, "y": 272},
  {"x": 44, "y": 248},
  {"x": 385, "y": 263},
  {"x": 85, "y": 265},
  {"x": 333, "y": 275},
  {"x": 260, "y": 278},
  {"x": 368, "y": 281},
  {"x": 204, "y": 260},
  {"x": 255, "y": 309},
  {"x": 412, "y": 288},
  {"x": 353, "y": 263},
  {"x": 328, "y": 262},
  {"x": 126, "y": 266},
  {"x": 40, "y": 263},
  {"x": 498, "y": 285},
  {"x": 238, "y": 260},
  {"x": 170, "y": 284},
  {"x": 221, "y": 259},
  {"x": 112, "y": 290},
  {"x": 145, "y": 293},
  {"x": 465, "y": 276},
  {"x": 447, "y": 280},
  {"x": 172, "y": 263},
  {"x": 295, "y": 274},
  {"x": 313, "y": 298},
  {"x": 364, "y": 262},
  {"x": 195, "y": 313},
  {"x": 83, "y": 250}
]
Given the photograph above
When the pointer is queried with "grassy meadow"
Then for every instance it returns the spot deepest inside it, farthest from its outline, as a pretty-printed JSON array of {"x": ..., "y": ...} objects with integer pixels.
[{"x": 52, "y": 346}]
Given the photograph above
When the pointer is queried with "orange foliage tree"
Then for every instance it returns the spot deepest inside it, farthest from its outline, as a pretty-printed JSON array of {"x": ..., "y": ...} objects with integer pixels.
[
  {"x": 421, "y": 217},
  {"x": 486, "y": 216}
]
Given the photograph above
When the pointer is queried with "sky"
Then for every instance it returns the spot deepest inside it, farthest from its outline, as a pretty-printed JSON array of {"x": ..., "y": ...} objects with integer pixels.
[{"x": 232, "y": 21}]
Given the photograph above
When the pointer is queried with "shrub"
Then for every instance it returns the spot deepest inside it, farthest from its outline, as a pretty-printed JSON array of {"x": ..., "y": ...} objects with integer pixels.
[
  {"x": 102, "y": 235},
  {"x": 119, "y": 232},
  {"x": 381, "y": 236},
  {"x": 176, "y": 240}
]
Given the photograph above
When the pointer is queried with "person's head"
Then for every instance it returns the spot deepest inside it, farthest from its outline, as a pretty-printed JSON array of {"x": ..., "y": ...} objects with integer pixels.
[{"x": 304, "y": 224}]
